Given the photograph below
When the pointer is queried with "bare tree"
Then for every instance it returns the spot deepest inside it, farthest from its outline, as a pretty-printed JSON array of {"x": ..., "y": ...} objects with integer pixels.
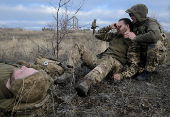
[{"x": 63, "y": 24}]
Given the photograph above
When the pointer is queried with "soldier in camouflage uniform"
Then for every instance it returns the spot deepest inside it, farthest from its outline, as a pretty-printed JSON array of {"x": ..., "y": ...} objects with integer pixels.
[
  {"x": 112, "y": 60},
  {"x": 149, "y": 34},
  {"x": 22, "y": 89}
]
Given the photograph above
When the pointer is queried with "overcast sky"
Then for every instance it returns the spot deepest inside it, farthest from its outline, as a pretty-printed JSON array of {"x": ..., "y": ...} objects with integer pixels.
[{"x": 35, "y": 14}]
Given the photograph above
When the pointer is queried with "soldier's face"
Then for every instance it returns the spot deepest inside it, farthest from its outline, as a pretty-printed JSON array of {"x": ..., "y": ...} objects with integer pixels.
[
  {"x": 133, "y": 17},
  {"x": 122, "y": 27},
  {"x": 21, "y": 73}
]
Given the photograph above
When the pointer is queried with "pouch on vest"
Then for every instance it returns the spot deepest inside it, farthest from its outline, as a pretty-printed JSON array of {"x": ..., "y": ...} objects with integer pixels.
[
  {"x": 163, "y": 48},
  {"x": 51, "y": 66},
  {"x": 162, "y": 54}
]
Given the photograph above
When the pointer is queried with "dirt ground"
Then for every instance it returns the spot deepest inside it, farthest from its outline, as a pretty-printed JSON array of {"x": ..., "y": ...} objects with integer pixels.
[{"x": 128, "y": 98}]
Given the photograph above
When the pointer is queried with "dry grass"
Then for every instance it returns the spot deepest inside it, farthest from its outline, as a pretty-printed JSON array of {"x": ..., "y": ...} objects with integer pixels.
[{"x": 27, "y": 45}]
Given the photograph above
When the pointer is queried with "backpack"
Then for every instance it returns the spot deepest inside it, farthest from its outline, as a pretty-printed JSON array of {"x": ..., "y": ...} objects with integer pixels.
[{"x": 163, "y": 37}]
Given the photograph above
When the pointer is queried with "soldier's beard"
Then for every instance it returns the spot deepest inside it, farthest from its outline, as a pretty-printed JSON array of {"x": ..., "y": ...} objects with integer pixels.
[{"x": 122, "y": 31}]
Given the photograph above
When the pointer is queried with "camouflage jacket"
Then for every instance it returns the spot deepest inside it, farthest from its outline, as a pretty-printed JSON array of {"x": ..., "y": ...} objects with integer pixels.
[
  {"x": 6, "y": 97},
  {"x": 129, "y": 50},
  {"x": 118, "y": 45}
]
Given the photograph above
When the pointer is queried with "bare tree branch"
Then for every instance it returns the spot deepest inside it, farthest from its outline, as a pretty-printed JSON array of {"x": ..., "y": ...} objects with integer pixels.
[{"x": 62, "y": 23}]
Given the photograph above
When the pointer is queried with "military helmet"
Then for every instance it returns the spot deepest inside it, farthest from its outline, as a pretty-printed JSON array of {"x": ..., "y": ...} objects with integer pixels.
[{"x": 32, "y": 88}]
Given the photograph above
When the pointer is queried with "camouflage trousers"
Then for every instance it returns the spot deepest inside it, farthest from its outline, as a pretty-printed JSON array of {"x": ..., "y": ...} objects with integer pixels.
[
  {"x": 156, "y": 55},
  {"x": 100, "y": 67}
]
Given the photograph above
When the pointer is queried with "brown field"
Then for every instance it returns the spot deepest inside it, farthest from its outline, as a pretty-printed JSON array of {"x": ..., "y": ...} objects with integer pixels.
[
  {"x": 128, "y": 98},
  {"x": 27, "y": 45}
]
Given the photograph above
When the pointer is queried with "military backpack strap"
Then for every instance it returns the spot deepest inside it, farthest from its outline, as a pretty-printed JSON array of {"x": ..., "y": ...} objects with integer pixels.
[{"x": 5, "y": 91}]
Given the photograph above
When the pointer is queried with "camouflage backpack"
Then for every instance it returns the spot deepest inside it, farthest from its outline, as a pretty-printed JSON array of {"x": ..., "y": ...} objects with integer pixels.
[{"x": 163, "y": 37}]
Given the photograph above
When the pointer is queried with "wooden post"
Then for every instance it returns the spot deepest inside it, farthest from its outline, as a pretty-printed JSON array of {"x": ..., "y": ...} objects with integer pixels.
[
  {"x": 73, "y": 22},
  {"x": 77, "y": 25}
]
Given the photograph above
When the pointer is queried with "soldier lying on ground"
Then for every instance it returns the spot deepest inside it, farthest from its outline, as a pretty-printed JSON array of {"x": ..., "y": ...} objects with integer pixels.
[
  {"x": 22, "y": 90},
  {"x": 112, "y": 60}
]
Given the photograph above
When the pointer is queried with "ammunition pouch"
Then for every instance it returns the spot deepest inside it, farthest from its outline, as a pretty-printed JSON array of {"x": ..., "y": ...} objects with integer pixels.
[{"x": 51, "y": 66}]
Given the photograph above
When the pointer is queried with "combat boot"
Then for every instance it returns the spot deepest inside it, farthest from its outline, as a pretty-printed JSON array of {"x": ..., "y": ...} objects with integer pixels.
[
  {"x": 83, "y": 88},
  {"x": 63, "y": 78},
  {"x": 145, "y": 75}
]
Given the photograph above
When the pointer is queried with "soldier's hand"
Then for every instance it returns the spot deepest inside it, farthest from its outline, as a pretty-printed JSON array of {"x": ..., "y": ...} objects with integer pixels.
[
  {"x": 114, "y": 26},
  {"x": 130, "y": 35},
  {"x": 116, "y": 77}
]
